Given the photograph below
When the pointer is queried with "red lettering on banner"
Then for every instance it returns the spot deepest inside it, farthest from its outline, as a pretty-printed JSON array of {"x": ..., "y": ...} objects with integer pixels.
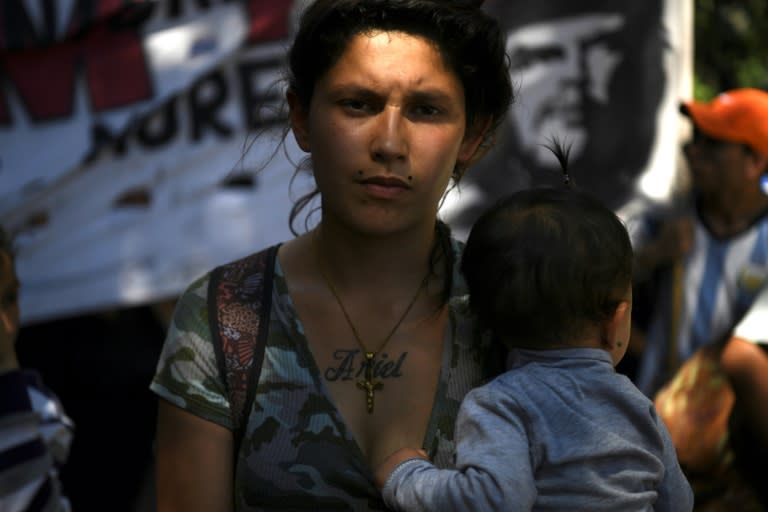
[
  {"x": 120, "y": 13},
  {"x": 269, "y": 19},
  {"x": 17, "y": 30},
  {"x": 106, "y": 7},
  {"x": 113, "y": 62},
  {"x": 117, "y": 71},
  {"x": 86, "y": 13},
  {"x": 109, "y": 55}
]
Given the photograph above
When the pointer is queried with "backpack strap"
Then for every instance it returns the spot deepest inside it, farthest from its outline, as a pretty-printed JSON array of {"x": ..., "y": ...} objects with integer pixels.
[{"x": 239, "y": 302}]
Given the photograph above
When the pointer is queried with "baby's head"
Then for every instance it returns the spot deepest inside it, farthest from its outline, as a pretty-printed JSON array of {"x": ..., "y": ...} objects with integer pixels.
[{"x": 549, "y": 267}]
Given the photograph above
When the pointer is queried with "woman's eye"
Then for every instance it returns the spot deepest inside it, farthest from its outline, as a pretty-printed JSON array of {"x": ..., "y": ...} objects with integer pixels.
[
  {"x": 354, "y": 104},
  {"x": 426, "y": 110}
]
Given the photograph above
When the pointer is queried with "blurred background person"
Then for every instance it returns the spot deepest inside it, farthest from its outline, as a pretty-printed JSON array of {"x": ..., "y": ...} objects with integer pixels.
[
  {"x": 709, "y": 255},
  {"x": 35, "y": 432},
  {"x": 702, "y": 264}
]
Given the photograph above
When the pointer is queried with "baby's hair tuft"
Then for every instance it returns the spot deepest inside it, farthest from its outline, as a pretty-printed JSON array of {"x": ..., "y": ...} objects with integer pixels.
[{"x": 561, "y": 151}]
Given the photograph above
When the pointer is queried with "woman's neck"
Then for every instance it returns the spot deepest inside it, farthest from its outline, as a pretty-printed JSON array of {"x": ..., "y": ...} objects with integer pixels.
[{"x": 349, "y": 256}]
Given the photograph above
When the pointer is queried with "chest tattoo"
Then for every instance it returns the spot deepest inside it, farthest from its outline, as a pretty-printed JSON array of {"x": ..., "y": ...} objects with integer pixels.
[{"x": 351, "y": 364}]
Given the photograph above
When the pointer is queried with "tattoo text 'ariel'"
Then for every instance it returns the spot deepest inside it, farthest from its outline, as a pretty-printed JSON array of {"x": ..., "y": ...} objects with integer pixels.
[{"x": 350, "y": 366}]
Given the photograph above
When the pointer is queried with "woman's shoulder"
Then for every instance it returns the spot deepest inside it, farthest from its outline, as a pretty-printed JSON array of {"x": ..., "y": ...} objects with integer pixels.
[
  {"x": 193, "y": 306},
  {"x": 197, "y": 291},
  {"x": 248, "y": 260}
]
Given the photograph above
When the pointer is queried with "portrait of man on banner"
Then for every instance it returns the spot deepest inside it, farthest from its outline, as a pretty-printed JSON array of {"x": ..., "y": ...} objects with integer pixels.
[{"x": 589, "y": 74}]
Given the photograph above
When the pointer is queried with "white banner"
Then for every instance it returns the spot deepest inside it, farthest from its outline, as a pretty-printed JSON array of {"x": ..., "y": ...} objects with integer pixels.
[
  {"x": 125, "y": 166},
  {"x": 120, "y": 206}
]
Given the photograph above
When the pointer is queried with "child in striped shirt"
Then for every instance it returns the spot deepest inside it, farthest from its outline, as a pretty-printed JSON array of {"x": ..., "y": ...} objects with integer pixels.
[{"x": 35, "y": 433}]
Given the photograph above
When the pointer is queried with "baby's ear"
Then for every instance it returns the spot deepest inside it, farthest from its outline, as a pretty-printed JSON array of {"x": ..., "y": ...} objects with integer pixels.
[{"x": 612, "y": 330}]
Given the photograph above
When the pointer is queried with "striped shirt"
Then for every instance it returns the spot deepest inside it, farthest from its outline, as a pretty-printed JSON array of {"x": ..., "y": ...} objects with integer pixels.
[
  {"x": 35, "y": 436},
  {"x": 720, "y": 281}
]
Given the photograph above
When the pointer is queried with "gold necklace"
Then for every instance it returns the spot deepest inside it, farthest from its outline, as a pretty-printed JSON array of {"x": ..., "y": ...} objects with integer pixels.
[{"x": 368, "y": 384}]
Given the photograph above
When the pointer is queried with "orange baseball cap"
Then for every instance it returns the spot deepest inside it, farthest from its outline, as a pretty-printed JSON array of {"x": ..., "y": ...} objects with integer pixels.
[{"x": 738, "y": 115}]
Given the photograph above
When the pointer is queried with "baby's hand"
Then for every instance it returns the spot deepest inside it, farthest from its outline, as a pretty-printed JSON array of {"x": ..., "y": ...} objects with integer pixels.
[{"x": 385, "y": 468}]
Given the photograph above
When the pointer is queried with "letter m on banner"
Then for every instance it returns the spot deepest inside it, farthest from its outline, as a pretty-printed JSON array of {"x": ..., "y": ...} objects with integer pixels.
[{"x": 44, "y": 69}]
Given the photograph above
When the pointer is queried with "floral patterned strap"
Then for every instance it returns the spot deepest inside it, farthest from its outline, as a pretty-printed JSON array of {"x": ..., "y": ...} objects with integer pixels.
[{"x": 239, "y": 301}]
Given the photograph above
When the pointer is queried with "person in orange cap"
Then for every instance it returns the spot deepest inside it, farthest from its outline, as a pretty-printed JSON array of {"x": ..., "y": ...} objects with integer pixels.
[{"x": 708, "y": 262}]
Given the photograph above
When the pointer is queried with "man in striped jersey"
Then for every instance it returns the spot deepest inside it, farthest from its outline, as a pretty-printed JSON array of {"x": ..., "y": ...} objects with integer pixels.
[
  {"x": 709, "y": 259},
  {"x": 35, "y": 434}
]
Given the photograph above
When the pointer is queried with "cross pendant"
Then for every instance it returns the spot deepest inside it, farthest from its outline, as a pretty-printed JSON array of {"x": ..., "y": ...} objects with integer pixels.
[{"x": 368, "y": 385}]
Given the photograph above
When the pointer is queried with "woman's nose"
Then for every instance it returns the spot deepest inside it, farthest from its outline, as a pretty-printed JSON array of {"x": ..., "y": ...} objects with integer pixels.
[{"x": 390, "y": 142}]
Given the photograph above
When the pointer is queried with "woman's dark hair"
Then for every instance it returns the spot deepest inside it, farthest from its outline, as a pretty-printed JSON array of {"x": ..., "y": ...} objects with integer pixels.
[
  {"x": 470, "y": 42},
  {"x": 543, "y": 265}
]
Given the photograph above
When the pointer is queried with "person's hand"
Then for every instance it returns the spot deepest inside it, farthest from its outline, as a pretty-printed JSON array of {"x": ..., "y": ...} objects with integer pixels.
[
  {"x": 675, "y": 240},
  {"x": 382, "y": 472}
]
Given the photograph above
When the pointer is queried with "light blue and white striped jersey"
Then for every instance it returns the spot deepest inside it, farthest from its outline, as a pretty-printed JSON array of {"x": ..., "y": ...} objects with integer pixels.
[
  {"x": 754, "y": 325},
  {"x": 721, "y": 280}
]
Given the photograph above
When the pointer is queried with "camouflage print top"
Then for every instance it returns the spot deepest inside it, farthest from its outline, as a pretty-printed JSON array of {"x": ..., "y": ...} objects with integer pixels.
[{"x": 297, "y": 453}]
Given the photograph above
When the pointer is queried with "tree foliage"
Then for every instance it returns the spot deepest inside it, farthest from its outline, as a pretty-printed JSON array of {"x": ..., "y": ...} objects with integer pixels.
[{"x": 731, "y": 45}]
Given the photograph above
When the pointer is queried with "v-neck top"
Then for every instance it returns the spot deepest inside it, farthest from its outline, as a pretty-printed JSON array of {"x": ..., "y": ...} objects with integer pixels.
[{"x": 297, "y": 452}]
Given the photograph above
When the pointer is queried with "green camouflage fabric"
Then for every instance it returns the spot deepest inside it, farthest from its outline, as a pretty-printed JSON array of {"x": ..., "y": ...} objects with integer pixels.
[{"x": 297, "y": 453}]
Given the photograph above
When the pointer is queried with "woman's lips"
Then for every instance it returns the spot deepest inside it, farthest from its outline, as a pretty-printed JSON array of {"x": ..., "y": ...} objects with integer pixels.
[{"x": 385, "y": 187}]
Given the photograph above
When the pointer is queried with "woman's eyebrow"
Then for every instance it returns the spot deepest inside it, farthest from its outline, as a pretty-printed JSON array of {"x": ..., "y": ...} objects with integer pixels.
[
  {"x": 430, "y": 96},
  {"x": 425, "y": 95}
]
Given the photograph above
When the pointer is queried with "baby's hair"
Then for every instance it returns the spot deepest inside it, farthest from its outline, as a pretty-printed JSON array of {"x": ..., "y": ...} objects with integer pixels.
[
  {"x": 546, "y": 265},
  {"x": 562, "y": 152}
]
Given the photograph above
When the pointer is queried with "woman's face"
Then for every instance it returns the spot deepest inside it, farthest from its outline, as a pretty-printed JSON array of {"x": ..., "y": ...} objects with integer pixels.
[
  {"x": 716, "y": 166},
  {"x": 385, "y": 128}
]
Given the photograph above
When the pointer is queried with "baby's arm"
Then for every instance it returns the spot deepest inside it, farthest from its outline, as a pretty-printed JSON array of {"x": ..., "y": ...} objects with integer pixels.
[
  {"x": 493, "y": 464},
  {"x": 392, "y": 461}
]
